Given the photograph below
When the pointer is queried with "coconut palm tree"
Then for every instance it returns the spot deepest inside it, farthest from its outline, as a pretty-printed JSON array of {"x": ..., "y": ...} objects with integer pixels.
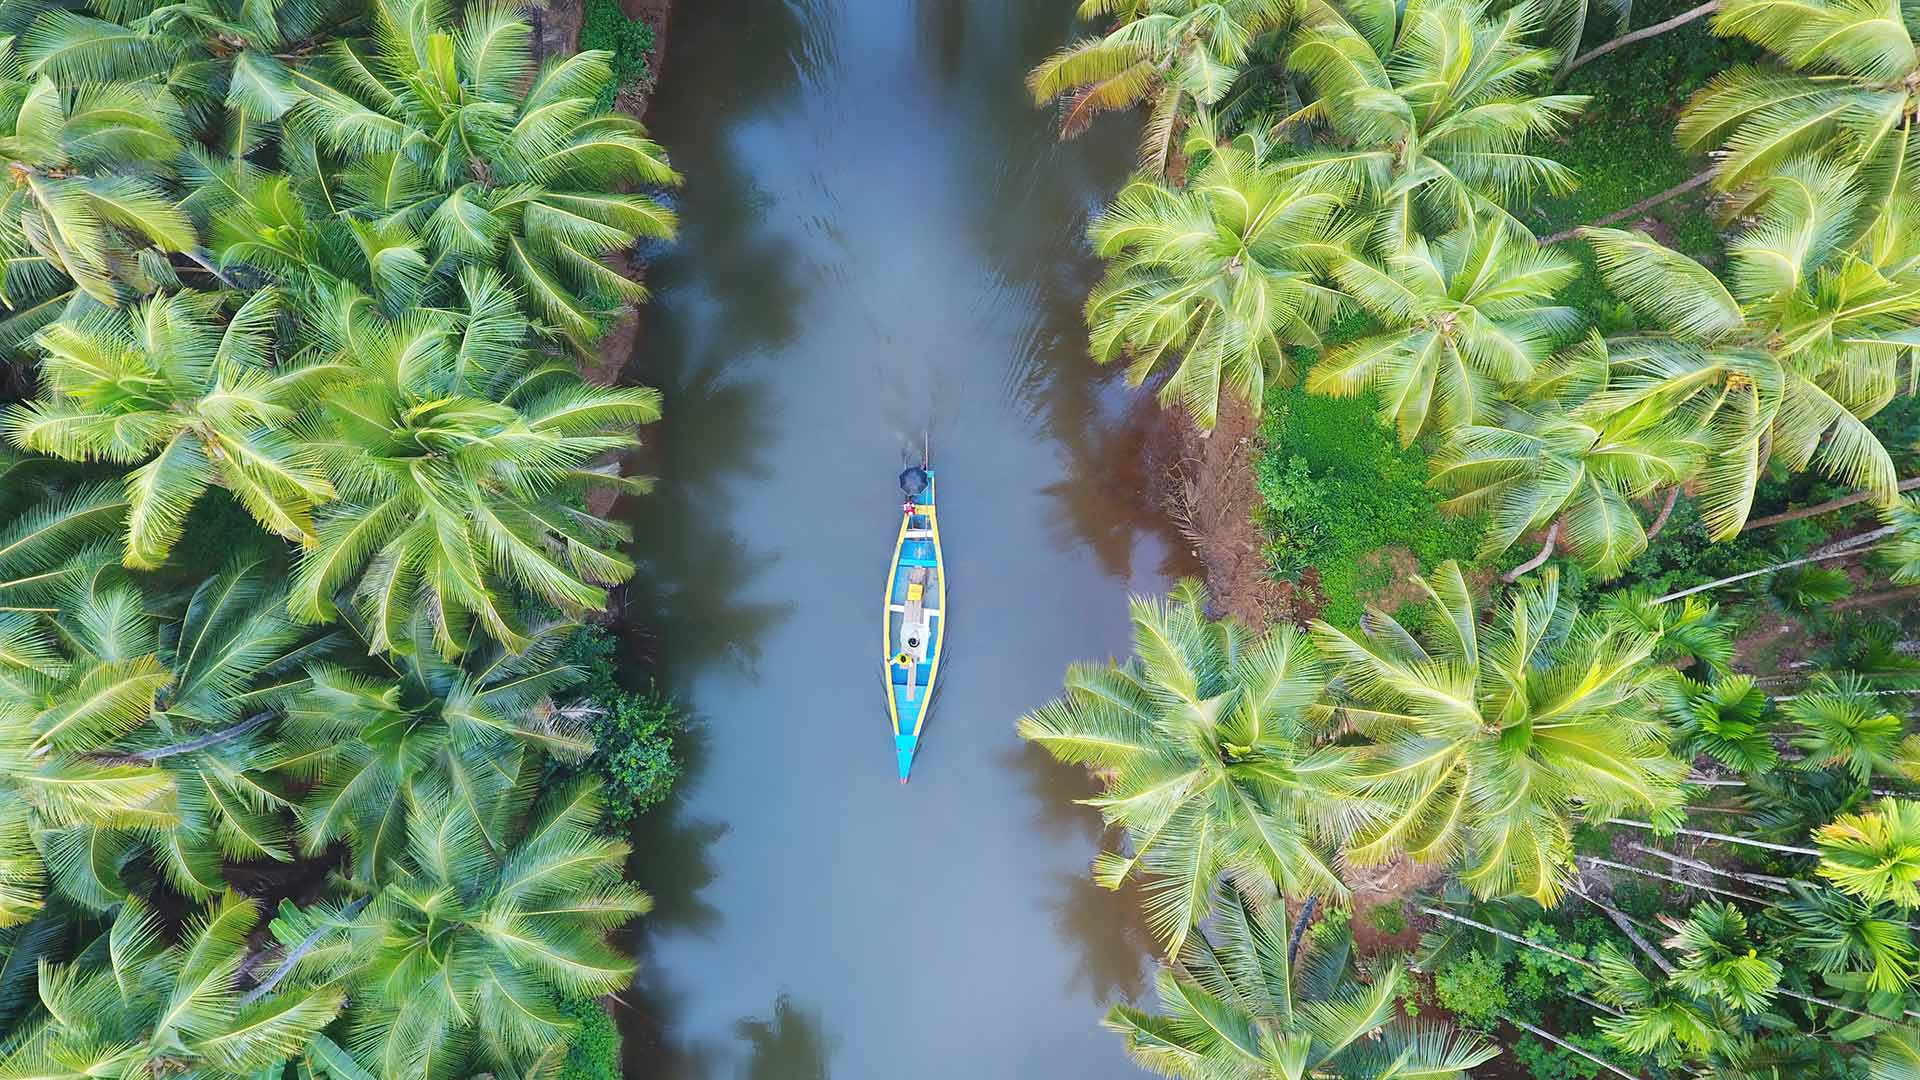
[
  {"x": 458, "y": 455},
  {"x": 1171, "y": 54},
  {"x": 70, "y": 695},
  {"x": 134, "y": 1006},
  {"x": 82, "y": 202},
  {"x": 194, "y": 401},
  {"x": 1239, "y": 1004},
  {"x": 1788, "y": 358},
  {"x": 460, "y": 960},
  {"x": 1846, "y": 86},
  {"x": 1551, "y": 464},
  {"x": 1462, "y": 318},
  {"x": 1488, "y": 740},
  {"x": 1875, "y": 854},
  {"x": 439, "y": 133},
  {"x": 1431, "y": 107},
  {"x": 414, "y": 717},
  {"x": 234, "y": 658},
  {"x": 1218, "y": 277},
  {"x": 1209, "y": 755},
  {"x": 221, "y": 60}
]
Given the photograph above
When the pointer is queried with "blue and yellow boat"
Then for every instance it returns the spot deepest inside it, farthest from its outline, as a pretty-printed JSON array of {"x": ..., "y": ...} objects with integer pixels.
[{"x": 914, "y": 621}]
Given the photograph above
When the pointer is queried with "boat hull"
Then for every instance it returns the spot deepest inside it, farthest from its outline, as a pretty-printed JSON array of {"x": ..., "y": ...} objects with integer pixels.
[{"x": 914, "y": 624}]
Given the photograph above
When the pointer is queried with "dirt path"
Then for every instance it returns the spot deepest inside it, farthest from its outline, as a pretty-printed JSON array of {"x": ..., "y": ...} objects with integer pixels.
[{"x": 1207, "y": 486}]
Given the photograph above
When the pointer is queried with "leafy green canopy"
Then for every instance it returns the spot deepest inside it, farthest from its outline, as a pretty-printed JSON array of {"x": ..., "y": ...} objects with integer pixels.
[
  {"x": 1223, "y": 274},
  {"x": 453, "y": 159},
  {"x": 1205, "y": 741},
  {"x": 1487, "y": 741}
]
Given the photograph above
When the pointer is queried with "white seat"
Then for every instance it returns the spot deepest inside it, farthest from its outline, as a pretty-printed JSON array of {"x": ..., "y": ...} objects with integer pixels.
[{"x": 919, "y": 534}]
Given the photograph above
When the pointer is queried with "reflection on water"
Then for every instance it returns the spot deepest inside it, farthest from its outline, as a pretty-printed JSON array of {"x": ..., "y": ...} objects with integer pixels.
[
  {"x": 790, "y": 1046},
  {"x": 881, "y": 243}
]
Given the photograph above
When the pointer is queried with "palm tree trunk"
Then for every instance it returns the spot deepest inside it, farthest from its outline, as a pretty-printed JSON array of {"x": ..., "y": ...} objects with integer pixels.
[
  {"x": 1565, "y": 1045},
  {"x": 1636, "y": 209},
  {"x": 1723, "y": 837},
  {"x": 1666, "y": 511},
  {"x": 1850, "y": 546},
  {"x": 1300, "y": 928},
  {"x": 148, "y": 757},
  {"x": 1497, "y": 932},
  {"x": 1657, "y": 875},
  {"x": 1641, "y": 34},
  {"x": 1765, "y": 881},
  {"x": 1633, "y": 933},
  {"x": 1546, "y": 551},
  {"x": 297, "y": 954},
  {"x": 1817, "y": 509}
]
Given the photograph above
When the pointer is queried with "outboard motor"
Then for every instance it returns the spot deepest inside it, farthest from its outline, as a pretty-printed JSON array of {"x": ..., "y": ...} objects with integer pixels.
[{"x": 913, "y": 480}]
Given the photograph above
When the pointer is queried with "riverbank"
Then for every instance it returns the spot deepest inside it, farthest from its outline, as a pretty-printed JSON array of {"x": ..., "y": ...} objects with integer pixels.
[{"x": 557, "y": 29}]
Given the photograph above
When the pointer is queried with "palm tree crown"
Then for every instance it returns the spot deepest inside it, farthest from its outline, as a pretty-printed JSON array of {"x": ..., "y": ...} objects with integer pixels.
[
  {"x": 440, "y": 135},
  {"x": 460, "y": 959},
  {"x": 1846, "y": 88},
  {"x": 1488, "y": 739},
  {"x": 1789, "y": 357},
  {"x": 1221, "y": 274},
  {"x": 1170, "y": 52},
  {"x": 1240, "y": 1004},
  {"x": 1463, "y": 317},
  {"x": 1205, "y": 743},
  {"x": 192, "y": 400},
  {"x": 457, "y": 455},
  {"x": 135, "y": 1007},
  {"x": 1433, "y": 102}
]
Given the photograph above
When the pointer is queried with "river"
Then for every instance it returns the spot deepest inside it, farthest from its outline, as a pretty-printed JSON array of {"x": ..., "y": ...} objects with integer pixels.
[{"x": 881, "y": 239}]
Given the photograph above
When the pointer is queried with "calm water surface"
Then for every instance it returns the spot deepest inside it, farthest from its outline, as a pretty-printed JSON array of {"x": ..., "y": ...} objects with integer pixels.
[{"x": 880, "y": 238}]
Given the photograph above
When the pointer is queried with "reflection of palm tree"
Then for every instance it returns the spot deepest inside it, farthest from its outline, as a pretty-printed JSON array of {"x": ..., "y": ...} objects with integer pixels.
[{"x": 790, "y": 1046}]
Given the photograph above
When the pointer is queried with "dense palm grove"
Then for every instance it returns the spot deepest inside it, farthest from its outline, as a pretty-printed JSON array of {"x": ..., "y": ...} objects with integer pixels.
[
  {"x": 293, "y": 728},
  {"x": 1628, "y": 855}
]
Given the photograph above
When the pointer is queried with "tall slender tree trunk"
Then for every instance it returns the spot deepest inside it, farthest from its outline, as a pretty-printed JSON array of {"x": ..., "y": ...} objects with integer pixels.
[
  {"x": 1546, "y": 552},
  {"x": 1636, "y": 209},
  {"x": 1641, "y": 34},
  {"x": 1666, "y": 511},
  {"x": 1722, "y": 837},
  {"x": 1827, "y": 507},
  {"x": 1853, "y": 545},
  {"x": 1300, "y": 928}
]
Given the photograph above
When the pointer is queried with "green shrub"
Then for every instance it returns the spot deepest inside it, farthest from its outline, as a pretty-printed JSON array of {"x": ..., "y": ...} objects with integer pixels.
[
  {"x": 1387, "y": 918},
  {"x": 633, "y": 735},
  {"x": 1336, "y": 486},
  {"x": 1472, "y": 986},
  {"x": 633, "y": 731},
  {"x": 593, "y": 1052},
  {"x": 1545, "y": 1061},
  {"x": 605, "y": 26}
]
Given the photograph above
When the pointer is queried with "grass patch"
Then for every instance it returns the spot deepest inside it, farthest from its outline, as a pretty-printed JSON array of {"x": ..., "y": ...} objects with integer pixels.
[
  {"x": 1623, "y": 150},
  {"x": 1336, "y": 487}
]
